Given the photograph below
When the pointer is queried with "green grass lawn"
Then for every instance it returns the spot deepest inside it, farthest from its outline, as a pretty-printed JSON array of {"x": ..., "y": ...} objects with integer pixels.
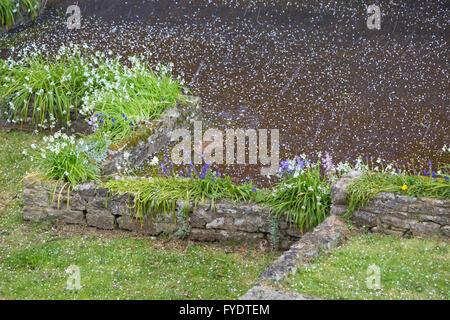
[
  {"x": 113, "y": 264},
  {"x": 409, "y": 269}
]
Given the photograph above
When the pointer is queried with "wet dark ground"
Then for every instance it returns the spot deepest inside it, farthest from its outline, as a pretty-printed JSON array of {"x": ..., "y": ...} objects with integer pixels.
[{"x": 311, "y": 69}]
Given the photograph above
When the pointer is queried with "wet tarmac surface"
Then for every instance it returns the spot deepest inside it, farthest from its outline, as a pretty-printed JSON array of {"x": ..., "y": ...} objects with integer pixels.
[{"x": 311, "y": 69}]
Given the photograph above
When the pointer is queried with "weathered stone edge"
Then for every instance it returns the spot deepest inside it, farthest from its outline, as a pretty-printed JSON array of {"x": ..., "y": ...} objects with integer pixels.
[
  {"x": 326, "y": 236},
  {"x": 176, "y": 117}
]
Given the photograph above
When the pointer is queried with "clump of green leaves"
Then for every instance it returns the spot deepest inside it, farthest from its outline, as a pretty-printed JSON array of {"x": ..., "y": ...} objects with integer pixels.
[
  {"x": 12, "y": 10},
  {"x": 43, "y": 90},
  {"x": 95, "y": 146},
  {"x": 159, "y": 194},
  {"x": 63, "y": 162},
  {"x": 49, "y": 90},
  {"x": 274, "y": 231},
  {"x": 184, "y": 228},
  {"x": 303, "y": 196}
]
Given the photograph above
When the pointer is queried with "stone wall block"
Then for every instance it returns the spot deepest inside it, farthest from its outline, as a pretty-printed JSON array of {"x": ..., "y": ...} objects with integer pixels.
[
  {"x": 251, "y": 223},
  {"x": 66, "y": 216},
  {"x": 364, "y": 218},
  {"x": 35, "y": 214},
  {"x": 424, "y": 228},
  {"x": 338, "y": 210},
  {"x": 101, "y": 219}
]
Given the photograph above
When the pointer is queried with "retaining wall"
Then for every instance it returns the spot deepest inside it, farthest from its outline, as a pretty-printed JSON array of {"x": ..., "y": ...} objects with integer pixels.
[
  {"x": 396, "y": 214},
  {"x": 92, "y": 206}
]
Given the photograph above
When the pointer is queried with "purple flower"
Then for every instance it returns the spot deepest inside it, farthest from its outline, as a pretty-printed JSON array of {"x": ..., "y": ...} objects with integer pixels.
[
  {"x": 328, "y": 164},
  {"x": 93, "y": 120}
]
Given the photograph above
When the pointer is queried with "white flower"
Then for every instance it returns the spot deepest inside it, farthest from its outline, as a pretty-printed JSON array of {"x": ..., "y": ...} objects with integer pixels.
[
  {"x": 33, "y": 146},
  {"x": 154, "y": 161}
]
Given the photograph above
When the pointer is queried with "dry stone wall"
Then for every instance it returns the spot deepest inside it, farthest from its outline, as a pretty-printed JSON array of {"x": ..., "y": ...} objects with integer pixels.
[{"x": 93, "y": 206}]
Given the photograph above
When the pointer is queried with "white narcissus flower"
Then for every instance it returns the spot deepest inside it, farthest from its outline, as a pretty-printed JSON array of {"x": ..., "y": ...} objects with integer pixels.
[{"x": 154, "y": 161}]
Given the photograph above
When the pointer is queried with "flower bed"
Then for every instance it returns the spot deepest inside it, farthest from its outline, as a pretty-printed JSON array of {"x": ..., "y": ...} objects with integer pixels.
[{"x": 131, "y": 111}]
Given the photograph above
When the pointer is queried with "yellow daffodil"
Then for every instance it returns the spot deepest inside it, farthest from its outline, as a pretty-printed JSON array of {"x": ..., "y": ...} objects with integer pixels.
[{"x": 404, "y": 187}]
